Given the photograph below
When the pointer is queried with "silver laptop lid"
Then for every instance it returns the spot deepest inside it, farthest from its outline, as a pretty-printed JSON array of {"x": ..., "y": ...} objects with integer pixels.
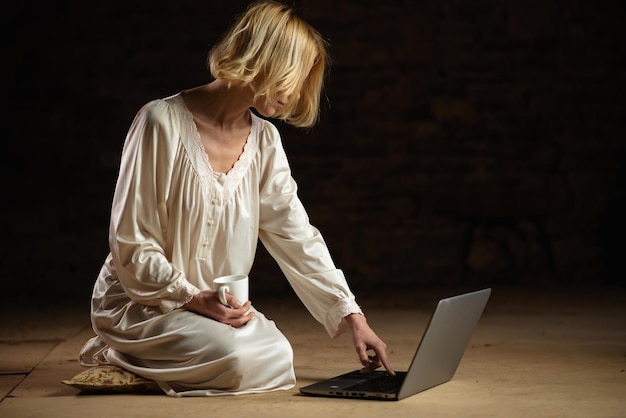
[{"x": 444, "y": 341}]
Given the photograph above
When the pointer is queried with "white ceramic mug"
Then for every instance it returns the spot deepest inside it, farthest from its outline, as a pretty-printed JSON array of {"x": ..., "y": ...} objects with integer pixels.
[{"x": 235, "y": 284}]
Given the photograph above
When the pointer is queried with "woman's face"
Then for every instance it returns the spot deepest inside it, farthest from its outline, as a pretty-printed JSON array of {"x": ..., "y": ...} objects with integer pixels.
[
  {"x": 269, "y": 109},
  {"x": 282, "y": 99}
]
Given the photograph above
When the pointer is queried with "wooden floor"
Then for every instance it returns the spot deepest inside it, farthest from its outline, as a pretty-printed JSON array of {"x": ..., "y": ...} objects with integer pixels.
[{"x": 535, "y": 353}]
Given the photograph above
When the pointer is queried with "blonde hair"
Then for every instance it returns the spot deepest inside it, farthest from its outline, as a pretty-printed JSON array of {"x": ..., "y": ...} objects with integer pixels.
[{"x": 274, "y": 48}]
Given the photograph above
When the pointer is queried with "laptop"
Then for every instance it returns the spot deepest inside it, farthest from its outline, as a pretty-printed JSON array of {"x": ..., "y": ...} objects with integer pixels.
[{"x": 435, "y": 361}]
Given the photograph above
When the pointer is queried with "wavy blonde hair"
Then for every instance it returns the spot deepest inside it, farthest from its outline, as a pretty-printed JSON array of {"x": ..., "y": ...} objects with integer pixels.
[{"x": 274, "y": 48}]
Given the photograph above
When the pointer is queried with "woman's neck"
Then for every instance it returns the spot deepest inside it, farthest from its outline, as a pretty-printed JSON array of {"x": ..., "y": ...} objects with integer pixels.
[{"x": 225, "y": 108}]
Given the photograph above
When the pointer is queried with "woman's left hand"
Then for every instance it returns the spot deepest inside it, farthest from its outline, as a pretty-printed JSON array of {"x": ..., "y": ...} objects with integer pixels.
[{"x": 364, "y": 339}]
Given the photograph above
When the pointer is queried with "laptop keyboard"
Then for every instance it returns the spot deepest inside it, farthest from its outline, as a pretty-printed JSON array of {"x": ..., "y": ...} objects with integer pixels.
[{"x": 385, "y": 383}]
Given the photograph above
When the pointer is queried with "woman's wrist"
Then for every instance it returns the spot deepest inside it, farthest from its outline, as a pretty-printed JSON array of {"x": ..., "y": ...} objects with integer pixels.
[{"x": 355, "y": 320}]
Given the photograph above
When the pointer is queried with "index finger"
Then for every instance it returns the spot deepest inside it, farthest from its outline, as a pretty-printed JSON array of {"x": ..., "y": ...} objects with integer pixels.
[
  {"x": 382, "y": 356},
  {"x": 233, "y": 302}
]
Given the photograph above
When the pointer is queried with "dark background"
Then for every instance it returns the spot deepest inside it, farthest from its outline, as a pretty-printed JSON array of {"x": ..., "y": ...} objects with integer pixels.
[{"x": 463, "y": 143}]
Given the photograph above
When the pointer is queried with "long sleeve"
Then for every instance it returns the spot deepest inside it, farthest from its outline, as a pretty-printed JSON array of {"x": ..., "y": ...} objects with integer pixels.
[
  {"x": 297, "y": 246},
  {"x": 139, "y": 218}
]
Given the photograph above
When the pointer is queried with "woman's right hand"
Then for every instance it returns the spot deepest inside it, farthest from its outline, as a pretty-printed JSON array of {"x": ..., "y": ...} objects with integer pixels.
[{"x": 207, "y": 303}]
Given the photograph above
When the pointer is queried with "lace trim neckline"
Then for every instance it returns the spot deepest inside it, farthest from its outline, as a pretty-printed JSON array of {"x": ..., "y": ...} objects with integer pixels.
[{"x": 236, "y": 173}]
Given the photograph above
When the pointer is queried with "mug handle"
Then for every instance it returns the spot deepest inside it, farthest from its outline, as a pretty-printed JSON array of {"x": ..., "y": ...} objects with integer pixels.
[{"x": 222, "y": 295}]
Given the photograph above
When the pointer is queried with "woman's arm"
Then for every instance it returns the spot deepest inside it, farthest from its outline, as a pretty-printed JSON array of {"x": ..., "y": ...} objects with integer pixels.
[
  {"x": 139, "y": 217},
  {"x": 303, "y": 256}
]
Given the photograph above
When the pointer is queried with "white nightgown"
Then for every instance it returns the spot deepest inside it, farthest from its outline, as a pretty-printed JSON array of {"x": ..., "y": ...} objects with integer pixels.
[{"x": 176, "y": 226}]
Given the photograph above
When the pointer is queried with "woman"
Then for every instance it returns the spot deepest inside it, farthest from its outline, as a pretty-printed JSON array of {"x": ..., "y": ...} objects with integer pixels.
[{"x": 201, "y": 180}]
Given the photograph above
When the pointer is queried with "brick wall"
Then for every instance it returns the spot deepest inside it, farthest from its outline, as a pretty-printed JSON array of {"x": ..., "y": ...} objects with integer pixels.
[{"x": 463, "y": 142}]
